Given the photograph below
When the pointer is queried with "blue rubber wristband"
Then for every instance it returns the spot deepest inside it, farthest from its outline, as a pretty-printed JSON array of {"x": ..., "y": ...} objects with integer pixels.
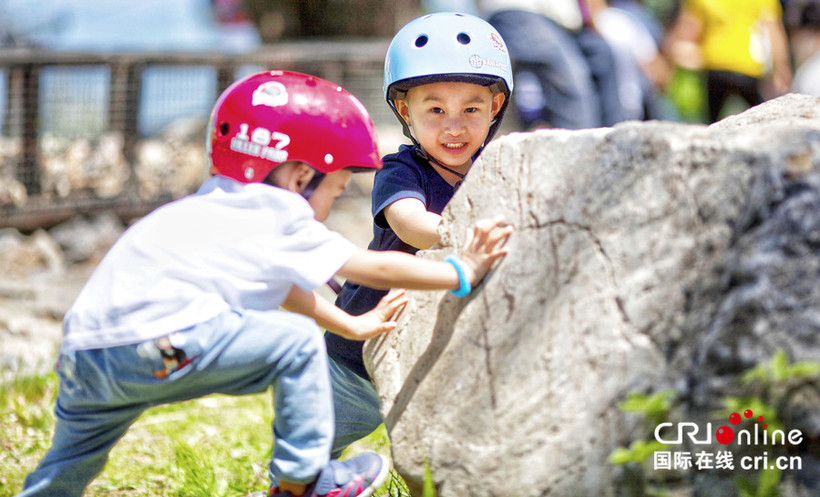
[{"x": 464, "y": 286}]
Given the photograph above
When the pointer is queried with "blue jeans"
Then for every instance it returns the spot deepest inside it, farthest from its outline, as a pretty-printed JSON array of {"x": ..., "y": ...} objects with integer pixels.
[
  {"x": 102, "y": 392},
  {"x": 356, "y": 405},
  {"x": 356, "y": 408}
]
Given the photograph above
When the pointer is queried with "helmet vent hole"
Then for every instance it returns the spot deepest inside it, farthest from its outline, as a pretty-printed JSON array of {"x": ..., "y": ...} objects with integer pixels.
[
  {"x": 224, "y": 128},
  {"x": 421, "y": 41},
  {"x": 463, "y": 38}
]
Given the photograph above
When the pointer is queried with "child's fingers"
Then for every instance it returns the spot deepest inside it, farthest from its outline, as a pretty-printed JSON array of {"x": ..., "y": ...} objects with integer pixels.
[
  {"x": 499, "y": 236},
  {"x": 398, "y": 292},
  {"x": 479, "y": 234},
  {"x": 394, "y": 311},
  {"x": 394, "y": 316},
  {"x": 489, "y": 224},
  {"x": 485, "y": 227},
  {"x": 489, "y": 240},
  {"x": 498, "y": 254},
  {"x": 469, "y": 236},
  {"x": 391, "y": 296},
  {"x": 391, "y": 304},
  {"x": 378, "y": 330},
  {"x": 398, "y": 297}
]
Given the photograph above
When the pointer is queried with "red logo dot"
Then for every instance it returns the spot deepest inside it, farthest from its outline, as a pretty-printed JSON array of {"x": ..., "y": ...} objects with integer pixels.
[
  {"x": 734, "y": 418},
  {"x": 748, "y": 413},
  {"x": 725, "y": 435}
]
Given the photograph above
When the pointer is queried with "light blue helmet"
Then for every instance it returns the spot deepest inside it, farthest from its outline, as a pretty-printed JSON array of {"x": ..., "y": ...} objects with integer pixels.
[{"x": 447, "y": 46}]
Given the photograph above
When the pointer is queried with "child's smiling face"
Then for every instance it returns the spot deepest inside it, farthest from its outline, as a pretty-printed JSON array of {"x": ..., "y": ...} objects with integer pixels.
[{"x": 450, "y": 120}]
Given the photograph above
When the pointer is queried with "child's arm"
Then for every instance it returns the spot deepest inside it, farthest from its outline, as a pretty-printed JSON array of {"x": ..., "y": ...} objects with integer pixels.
[
  {"x": 779, "y": 46},
  {"x": 482, "y": 247},
  {"x": 413, "y": 223},
  {"x": 331, "y": 318}
]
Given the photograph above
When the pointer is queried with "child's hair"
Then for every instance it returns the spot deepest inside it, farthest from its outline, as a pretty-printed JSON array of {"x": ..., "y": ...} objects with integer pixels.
[
  {"x": 447, "y": 46},
  {"x": 269, "y": 118}
]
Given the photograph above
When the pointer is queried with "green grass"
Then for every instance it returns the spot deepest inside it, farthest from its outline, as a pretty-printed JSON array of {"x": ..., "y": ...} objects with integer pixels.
[{"x": 210, "y": 447}]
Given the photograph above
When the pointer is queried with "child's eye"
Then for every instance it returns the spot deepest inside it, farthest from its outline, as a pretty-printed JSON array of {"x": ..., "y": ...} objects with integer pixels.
[
  {"x": 437, "y": 110},
  {"x": 470, "y": 110}
]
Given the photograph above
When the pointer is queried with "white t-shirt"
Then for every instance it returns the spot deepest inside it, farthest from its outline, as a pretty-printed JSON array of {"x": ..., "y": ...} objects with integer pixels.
[
  {"x": 228, "y": 246},
  {"x": 807, "y": 76}
]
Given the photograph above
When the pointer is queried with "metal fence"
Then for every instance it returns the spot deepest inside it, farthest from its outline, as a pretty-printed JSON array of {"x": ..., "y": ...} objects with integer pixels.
[{"x": 85, "y": 132}]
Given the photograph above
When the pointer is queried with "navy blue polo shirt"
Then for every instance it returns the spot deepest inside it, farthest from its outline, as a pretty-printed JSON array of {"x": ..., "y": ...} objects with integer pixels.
[{"x": 404, "y": 175}]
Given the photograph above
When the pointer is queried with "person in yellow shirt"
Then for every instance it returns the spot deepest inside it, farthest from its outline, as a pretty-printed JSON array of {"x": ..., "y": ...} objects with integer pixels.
[{"x": 738, "y": 43}]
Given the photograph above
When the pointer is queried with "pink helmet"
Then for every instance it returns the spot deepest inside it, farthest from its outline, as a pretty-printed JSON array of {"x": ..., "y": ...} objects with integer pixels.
[{"x": 272, "y": 117}]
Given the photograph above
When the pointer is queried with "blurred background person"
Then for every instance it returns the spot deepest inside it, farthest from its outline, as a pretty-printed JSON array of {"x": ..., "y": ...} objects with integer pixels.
[
  {"x": 740, "y": 44},
  {"x": 644, "y": 73},
  {"x": 802, "y": 20}
]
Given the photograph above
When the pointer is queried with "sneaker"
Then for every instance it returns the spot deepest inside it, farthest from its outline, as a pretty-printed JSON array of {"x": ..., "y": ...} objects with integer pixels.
[{"x": 358, "y": 476}]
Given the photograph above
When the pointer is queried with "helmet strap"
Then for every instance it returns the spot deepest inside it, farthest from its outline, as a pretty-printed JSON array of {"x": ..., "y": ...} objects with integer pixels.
[
  {"x": 422, "y": 154},
  {"x": 313, "y": 184}
]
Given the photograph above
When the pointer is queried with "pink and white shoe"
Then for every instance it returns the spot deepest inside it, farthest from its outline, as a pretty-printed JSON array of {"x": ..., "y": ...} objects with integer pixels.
[{"x": 358, "y": 476}]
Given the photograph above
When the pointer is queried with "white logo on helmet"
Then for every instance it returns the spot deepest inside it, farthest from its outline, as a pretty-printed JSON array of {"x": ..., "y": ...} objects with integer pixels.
[
  {"x": 478, "y": 62},
  {"x": 272, "y": 94},
  {"x": 262, "y": 143}
]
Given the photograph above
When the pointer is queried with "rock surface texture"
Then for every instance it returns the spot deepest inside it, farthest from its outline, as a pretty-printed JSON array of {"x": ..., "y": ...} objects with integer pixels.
[{"x": 646, "y": 256}]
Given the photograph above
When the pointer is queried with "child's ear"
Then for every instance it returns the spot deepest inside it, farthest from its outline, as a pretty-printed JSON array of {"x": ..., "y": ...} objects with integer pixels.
[
  {"x": 302, "y": 174},
  {"x": 498, "y": 101},
  {"x": 293, "y": 176},
  {"x": 403, "y": 110}
]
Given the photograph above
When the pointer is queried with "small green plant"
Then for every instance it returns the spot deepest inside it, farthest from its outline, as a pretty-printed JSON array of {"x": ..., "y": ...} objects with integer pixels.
[
  {"x": 779, "y": 370},
  {"x": 429, "y": 488},
  {"x": 655, "y": 410},
  {"x": 655, "y": 407},
  {"x": 767, "y": 484},
  {"x": 638, "y": 452},
  {"x": 394, "y": 487}
]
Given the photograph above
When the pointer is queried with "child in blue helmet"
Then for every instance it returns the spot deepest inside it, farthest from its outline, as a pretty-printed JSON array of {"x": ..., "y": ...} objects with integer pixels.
[{"x": 448, "y": 79}]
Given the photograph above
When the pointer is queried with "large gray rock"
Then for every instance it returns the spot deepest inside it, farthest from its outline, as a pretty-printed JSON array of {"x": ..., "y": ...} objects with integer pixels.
[{"x": 646, "y": 256}]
